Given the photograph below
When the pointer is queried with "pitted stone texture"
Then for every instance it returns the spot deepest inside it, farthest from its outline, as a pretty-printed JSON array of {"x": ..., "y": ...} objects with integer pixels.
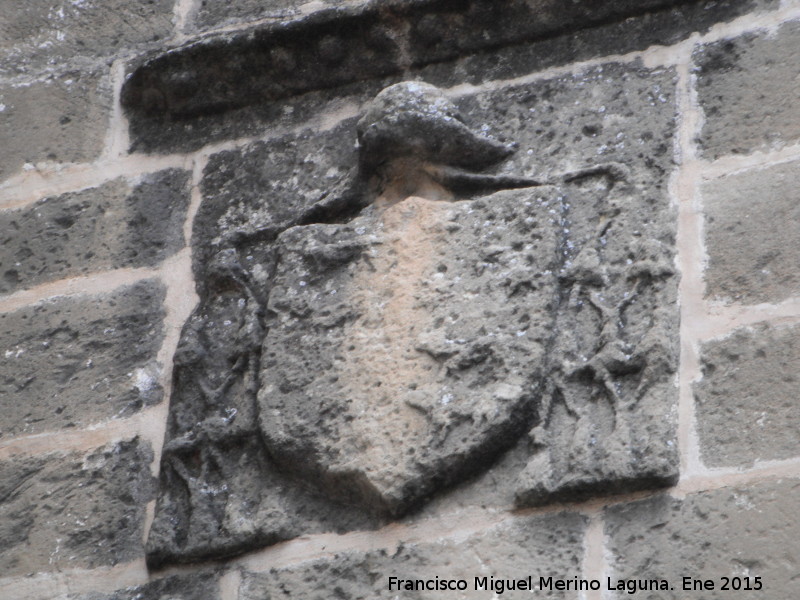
[
  {"x": 748, "y": 87},
  {"x": 122, "y": 223},
  {"x": 732, "y": 532},
  {"x": 71, "y": 362},
  {"x": 747, "y": 399},
  {"x": 610, "y": 421},
  {"x": 752, "y": 229},
  {"x": 602, "y": 415},
  {"x": 514, "y": 549},
  {"x": 74, "y": 511},
  {"x": 197, "y": 586},
  {"x": 61, "y": 118},
  {"x": 408, "y": 347},
  {"x": 41, "y": 33}
]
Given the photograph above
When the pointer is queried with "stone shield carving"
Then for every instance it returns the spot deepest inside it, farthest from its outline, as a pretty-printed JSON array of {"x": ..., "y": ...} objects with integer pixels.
[{"x": 360, "y": 349}]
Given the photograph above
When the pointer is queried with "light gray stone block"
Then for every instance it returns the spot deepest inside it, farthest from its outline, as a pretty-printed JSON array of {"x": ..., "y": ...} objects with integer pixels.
[
  {"x": 752, "y": 228},
  {"x": 747, "y": 400}
]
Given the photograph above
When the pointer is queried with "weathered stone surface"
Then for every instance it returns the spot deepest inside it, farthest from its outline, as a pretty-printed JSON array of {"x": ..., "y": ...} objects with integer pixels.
[
  {"x": 587, "y": 258},
  {"x": 752, "y": 228},
  {"x": 635, "y": 33},
  {"x": 383, "y": 38},
  {"x": 74, "y": 511},
  {"x": 71, "y": 362},
  {"x": 747, "y": 399},
  {"x": 42, "y": 33},
  {"x": 60, "y": 118},
  {"x": 197, "y": 586},
  {"x": 215, "y": 13},
  {"x": 550, "y": 545},
  {"x": 748, "y": 87},
  {"x": 733, "y": 532},
  {"x": 119, "y": 224},
  {"x": 408, "y": 347}
]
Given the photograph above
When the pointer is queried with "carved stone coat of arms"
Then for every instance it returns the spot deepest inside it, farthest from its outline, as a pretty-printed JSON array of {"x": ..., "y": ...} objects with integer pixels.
[{"x": 411, "y": 318}]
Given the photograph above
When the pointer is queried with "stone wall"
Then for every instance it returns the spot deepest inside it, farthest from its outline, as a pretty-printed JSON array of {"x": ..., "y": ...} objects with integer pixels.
[{"x": 115, "y": 196}]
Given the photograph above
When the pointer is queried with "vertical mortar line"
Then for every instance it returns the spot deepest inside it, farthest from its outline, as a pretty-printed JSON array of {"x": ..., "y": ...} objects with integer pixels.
[
  {"x": 181, "y": 299},
  {"x": 595, "y": 563},
  {"x": 684, "y": 188},
  {"x": 229, "y": 585},
  {"x": 182, "y": 12},
  {"x": 117, "y": 141}
]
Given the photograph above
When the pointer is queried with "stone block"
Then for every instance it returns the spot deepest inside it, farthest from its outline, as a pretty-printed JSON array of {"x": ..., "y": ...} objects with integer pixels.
[
  {"x": 550, "y": 545},
  {"x": 742, "y": 532},
  {"x": 752, "y": 228},
  {"x": 197, "y": 586},
  {"x": 747, "y": 400},
  {"x": 71, "y": 362},
  {"x": 74, "y": 511},
  {"x": 43, "y": 33},
  {"x": 123, "y": 223},
  {"x": 550, "y": 271},
  {"x": 748, "y": 88},
  {"x": 60, "y": 118}
]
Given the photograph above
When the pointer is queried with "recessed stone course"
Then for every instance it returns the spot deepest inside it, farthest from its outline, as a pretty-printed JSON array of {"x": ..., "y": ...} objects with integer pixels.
[
  {"x": 747, "y": 399},
  {"x": 39, "y": 34},
  {"x": 747, "y": 531},
  {"x": 748, "y": 88},
  {"x": 60, "y": 118},
  {"x": 123, "y": 223},
  {"x": 549, "y": 545},
  {"x": 74, "y": 511},
  {"x": 752, "y": 229},
  {"x": 71, "y": 362}
]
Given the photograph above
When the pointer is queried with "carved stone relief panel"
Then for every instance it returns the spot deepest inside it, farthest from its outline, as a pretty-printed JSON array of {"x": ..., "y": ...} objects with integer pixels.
[{"x": 381, "y": 323}]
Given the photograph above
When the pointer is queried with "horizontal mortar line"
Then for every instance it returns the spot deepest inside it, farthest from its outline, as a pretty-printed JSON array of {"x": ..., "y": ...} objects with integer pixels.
[
  {"x": 750, "y": 23},
  {"x": 50, "y": 179},
  {"x": 575, "y": 68},
  {"x": 91, "y": 284},
  {"x": 737, "y": 163},
  {"x": 48, "y": 585},
  {"x": 721, "y": 320},
  {"x": 86, "y": 439},
  {"x": 717, "y": 478}
]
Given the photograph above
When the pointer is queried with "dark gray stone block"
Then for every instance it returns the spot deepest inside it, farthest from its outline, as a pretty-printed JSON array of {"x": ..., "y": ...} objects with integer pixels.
[
  {"x": 752, "y": 228},
  {"x": 74, "y": 511},
  {"x": 189, "y": 90},
  {"x": 61, "y": 118},
  {"x": 71, "y": 362},
  {"x": 517, "y": 548},
  {"x": 119, "y": 224},
  {"x": 747, "y": 399},
  {"x": 743, "y": 531},
  {"x": 748, "y": 87}
]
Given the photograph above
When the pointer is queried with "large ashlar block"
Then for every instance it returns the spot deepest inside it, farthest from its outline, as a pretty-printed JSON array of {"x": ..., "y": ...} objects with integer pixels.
[
  {"x": 79, "y": 510},
  {"x": 59, "y": 118},
  {"x": 752, "y": 228},
  {"x": 77, "y": 361},
  {"x": 123, "y": 223},
  {"x": 738, "y": 533},
  {"x": 747, "y": 399},
  {"x": 748, "y": 87},
  {"x": 380, "y": 324}
]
